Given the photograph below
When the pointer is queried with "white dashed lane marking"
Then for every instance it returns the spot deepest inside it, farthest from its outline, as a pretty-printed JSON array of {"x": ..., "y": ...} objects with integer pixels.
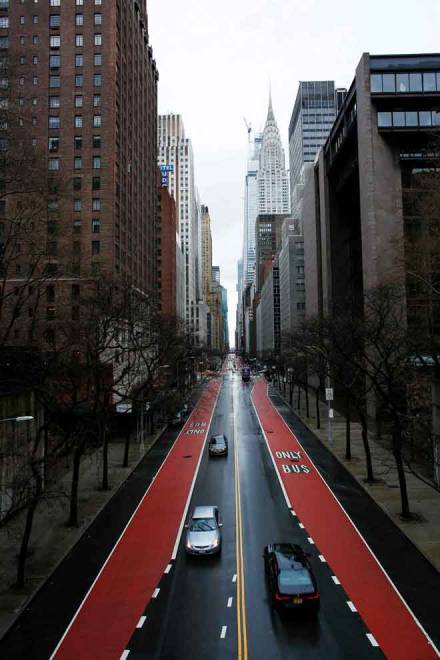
[
  {"x": 311, "y": 541},
  {"x": 234, "y": 577},
  {"x": 293, "y": 512},
  {"x": 155, "y": 593},
  {"x": 372, "y": 640},
  {"x": 125, "y": 655},
  {"x": 351, "y": 606},
  {"x": 322, "y": 558},
  {"x": 223, "y": 632},
  {"x": 229, "y": 602},
  {"x": 168, "y": 568},
  {"x": 335, "y": 579},
  {"x": 141, "y": 622},
  {"x": 301, "y": 525}
]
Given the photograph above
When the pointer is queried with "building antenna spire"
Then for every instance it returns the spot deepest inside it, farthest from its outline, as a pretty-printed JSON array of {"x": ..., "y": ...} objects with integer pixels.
[{"x": 270, "y": 114}]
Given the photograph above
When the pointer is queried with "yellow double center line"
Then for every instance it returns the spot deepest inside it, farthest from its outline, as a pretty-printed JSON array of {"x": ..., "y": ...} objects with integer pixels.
[{"x": 241, "y": 606}]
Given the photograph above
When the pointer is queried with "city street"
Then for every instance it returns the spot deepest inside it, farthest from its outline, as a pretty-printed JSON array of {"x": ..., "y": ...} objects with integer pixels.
[{"x": 151, "y": 600}]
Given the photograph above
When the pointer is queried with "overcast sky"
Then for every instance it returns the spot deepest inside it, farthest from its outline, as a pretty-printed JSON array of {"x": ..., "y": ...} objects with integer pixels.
[{"x": 215, "y": 60}]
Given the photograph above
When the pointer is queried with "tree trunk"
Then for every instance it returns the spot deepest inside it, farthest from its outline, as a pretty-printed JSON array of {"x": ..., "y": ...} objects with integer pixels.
[
  {"x": 126, "y": 449},
  {"x": 104, "y": 438},
  {"x": 299, "y": 399},
  {"x": 307, "y": 401},
  {"x": 397, "y": 451},
  {"x": 347, "y": 429},
  {"x": 22, "y": 555},
  {"x": 290, "y": 394},
  {"x": 318, "y": 415},
  {"x": 73, "y": 517},
  {"x": 369, "y": 463}
]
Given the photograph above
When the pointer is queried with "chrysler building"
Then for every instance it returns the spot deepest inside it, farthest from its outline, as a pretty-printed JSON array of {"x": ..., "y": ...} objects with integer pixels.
[{"x": 272, "y": 177}]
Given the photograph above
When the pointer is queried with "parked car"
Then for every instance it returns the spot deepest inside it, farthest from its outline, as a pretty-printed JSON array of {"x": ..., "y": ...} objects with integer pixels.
[
  {"x": 290, "y": 578},
  {"x": 218, "y": 445},
  {"x": 203, "y": 535}
]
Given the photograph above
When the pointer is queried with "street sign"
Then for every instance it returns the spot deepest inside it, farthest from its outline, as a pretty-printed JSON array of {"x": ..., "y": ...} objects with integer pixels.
[
  {"x": 330, "y": 413},
  {"x": 329, "y": 393}
]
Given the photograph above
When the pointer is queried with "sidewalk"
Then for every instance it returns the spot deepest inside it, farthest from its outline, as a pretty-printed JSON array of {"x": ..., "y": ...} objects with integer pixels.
[
  {"x": 51, "y": 540},
  {"x": 424, "y": 500}
]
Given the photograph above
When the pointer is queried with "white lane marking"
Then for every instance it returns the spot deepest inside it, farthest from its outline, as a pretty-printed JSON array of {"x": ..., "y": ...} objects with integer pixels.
[
  {"x": 351, "y": 606},
  {"x": 293, "y": 512},
  {"x": 125, "y": 654},
  {"x": 322, "y": 558},
  {"x": 141, "y": 622},
  {"x": 168, "y": 568},
  {"x": 123, "y": 532},
  {"x": 286, "y": 497},
  {"x": 155, "y": 593},
  {"x": 229, "y": 602},
  {"x": 335, "y": 579},
  {"x": 310, "y": 540},
  {"x": 301, "y": 525},
  {"x": 185, "y": 511},
  {"x": 437, "y": 651},
  {"x": 223, "y": 632},
  {"x": 234, "y": 577},
  {"x": 372, "y": 640}
]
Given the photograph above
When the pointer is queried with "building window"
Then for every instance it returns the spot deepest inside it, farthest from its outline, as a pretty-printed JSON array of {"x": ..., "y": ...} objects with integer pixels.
[
  {"x": 55, "y": 41},
  {"x": 97, "y": 163},
  {"x": 54, "y": 61},
  {"x": 54, "y": 20},
  {"x": 53, "y": 143},
  {"x": 77, "y": 141},
  {"x": 78, "y": 121},
  {"x": 96, "y": 225},
  {"x": 79, "y": 40},
  {"x": 96, "y": 248},
  {"x": 97, "y": 59},
  {"x": 79, "y": 101},
  {"x": 35, "y": 39},
  {"x": 384, "y": 119},
  {"x": 54, "y": 122},
  {"x": 97, "y": 80},
  {"x": 55, "y": 3},
  {"x": 96, "y": 141},
  {"x": 53, "y": 164},
  {"x": 77, "y": 204},
  {"x": 96, "y": 183},
  {"x": 79, "y": 60},
  {"x": 97, "y": 40},
  {"x": 96, "y": 204},
  {"x": 79, "y": 19},
  {"x": 77, "y": 183},
  {"x": 50, "y": 294},
  {"x": 79, "y": 79},
  {"x": 77, "y": 162},
  {"x": 96, "y": 100},
  {"x": 97, "y": 20},
  {"x": 96, "y": 121},
  {"x": 54, "y": 81},
  {"x": 54, "y": 101}
]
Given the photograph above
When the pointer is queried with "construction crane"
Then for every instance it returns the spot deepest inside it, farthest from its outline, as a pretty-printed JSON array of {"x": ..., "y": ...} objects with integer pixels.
[{"x": 249, "y": 128}]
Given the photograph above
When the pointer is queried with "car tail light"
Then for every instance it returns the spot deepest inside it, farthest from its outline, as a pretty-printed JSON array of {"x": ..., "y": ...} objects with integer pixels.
[
  {"x": 315, "y": 596},
  {"x": 279, "y": 597}
]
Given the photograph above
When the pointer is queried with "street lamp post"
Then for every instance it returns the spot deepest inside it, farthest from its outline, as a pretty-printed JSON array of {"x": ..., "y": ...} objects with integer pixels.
[
  {"x": 20, "y": 418},
  {"x": 290, "y": 378}
]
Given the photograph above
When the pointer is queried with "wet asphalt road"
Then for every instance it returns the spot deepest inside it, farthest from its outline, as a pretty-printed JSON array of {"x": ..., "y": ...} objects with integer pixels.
[{"x": 195, "y": 613}]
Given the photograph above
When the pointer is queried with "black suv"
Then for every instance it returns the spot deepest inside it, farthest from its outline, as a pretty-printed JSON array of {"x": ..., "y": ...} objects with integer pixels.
[
  {"x": 218, "y": 446},
  {"x": 291, "y": 582}
]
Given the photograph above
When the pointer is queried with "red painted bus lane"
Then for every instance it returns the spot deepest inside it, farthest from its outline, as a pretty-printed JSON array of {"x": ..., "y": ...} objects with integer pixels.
[
  {"x": 108, "y": 615},
  {"x": 384, "y": 612}
]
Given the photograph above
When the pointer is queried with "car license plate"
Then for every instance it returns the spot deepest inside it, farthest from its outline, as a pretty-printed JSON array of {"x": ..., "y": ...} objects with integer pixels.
[{"x": 297, "y": 601}]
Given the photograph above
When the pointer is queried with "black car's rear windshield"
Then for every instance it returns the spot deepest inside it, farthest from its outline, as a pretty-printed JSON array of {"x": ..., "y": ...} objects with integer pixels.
[
  {"x": 295, "y": 578},
  {"x": 203, "y": 525},
  {"x": 218, "y": 442}
]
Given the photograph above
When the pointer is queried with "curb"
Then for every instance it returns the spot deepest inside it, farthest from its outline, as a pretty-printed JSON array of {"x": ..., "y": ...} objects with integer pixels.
[
  {"x": 91, "y": 521},
  {"x": 313, "y": 431}
]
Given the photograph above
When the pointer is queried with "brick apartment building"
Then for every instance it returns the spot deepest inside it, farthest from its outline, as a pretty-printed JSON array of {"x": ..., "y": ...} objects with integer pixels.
[{"x": 85, "y": 73}]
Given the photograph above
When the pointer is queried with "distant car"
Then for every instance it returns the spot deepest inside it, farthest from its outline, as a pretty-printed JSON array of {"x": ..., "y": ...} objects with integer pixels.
[
  {"x": 203, "y": 536},
  {"x": 246, "y": 374},
  {"x": 218, "y": 445},
  {"x": 291, "y": 582}
]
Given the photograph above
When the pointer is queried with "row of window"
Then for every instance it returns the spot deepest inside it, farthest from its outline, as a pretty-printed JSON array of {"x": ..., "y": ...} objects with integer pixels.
[
  {"x": 55, "y": 41},
  {"x": 54, "y": 122},
  {"x": 55, "y": 60},
  {"x": 54, "y": 142},
  {"x": 405, "y": 83},
  {"x": 400, "y": 118},
  {"x": 53, "y": 164},
  {"x": 57, "y": 3}
]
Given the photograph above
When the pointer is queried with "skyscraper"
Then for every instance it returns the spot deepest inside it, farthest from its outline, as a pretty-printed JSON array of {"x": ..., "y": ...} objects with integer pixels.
[
  {"x": 251, "y": 208},
  {"x": 312, "y": 118},
  {"x": 176, "y": 155},
  {"x": 272, "y": 177}
]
